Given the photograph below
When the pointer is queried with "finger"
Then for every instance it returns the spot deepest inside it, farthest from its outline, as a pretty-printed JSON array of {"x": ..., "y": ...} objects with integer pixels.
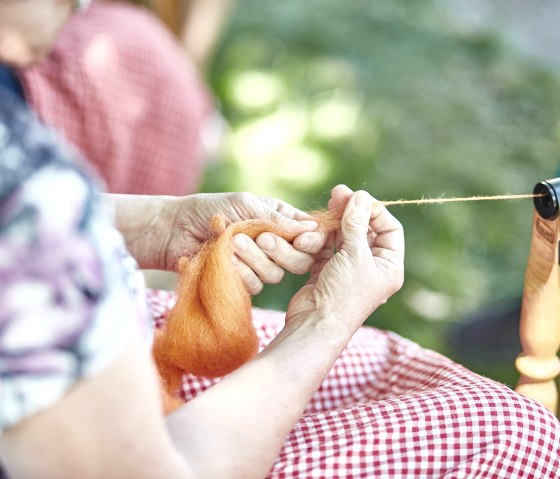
[
  {"x": 293, "y": 219},
  {"x": 284, "y": 254},
  {"x": 290, "y": 211},
  {"x": 340, "y": 195},
  {"x": 311, "y": 242},
  {"x": 322, "y": 258},
  {"x": 356, "y": 220},
  {"x": 248, "y": 251},
  {"x": 293, "y": 225},
  {"x": 387, "y": 230},
  {"x": 250, "y": 280}
]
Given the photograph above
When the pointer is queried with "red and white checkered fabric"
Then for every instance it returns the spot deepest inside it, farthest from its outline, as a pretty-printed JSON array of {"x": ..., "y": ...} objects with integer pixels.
[
  {"x": 120, "y": 89},
  {"x": 391, "y": 409}
]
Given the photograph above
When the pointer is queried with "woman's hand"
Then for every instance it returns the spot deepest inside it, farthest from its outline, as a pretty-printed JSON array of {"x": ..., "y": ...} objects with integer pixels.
[
  {"x": 158, "y": 230},
  {"x": 261, "y": 261},
  {"x": 347, "y": 286}
]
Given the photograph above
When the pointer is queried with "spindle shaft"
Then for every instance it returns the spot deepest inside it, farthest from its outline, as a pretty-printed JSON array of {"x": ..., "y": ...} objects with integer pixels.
[{"x": 538, "y": 364}]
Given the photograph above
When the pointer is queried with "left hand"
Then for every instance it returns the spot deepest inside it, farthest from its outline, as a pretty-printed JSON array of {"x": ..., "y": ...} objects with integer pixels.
[{"x": 186, "y": 226}]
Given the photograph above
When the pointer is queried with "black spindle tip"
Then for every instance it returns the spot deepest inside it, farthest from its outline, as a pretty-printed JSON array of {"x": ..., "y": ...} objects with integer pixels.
[{"x": 546, "y": 203}]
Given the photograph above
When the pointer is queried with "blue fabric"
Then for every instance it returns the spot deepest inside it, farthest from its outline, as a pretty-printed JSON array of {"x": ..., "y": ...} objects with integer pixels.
[{"x": 9, "y": 81}]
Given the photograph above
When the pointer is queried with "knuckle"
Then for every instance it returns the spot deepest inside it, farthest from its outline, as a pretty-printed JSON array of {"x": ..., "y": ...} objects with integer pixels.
[
  {"x": 275, "y": 275},
  {"x": 243, "y": 197},
  {"x": 257, "y": 288},
  {"x": 253, "y": 285},
  {"x": 398, "y": 279},
  {"x": 302, "y": 266},
  {"x": 296, "y": 269},
  {"x": 352, "y": 221}
]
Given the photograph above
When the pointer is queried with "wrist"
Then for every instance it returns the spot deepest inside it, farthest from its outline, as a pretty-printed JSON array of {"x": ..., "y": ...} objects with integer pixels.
[
  {"x": 146, "y": 223},
  {"x": 327, "y": 328}
]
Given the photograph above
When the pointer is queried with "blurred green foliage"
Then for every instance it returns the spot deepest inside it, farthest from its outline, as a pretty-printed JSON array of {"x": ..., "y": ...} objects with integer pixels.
[{"x": 400, "y": 99}]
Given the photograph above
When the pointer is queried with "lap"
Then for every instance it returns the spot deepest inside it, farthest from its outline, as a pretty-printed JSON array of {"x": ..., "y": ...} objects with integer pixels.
[{"x": 390, "y": 408}]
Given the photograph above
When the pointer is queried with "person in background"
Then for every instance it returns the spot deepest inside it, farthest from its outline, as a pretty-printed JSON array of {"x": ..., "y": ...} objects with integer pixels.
[
  {"x": 201, "y": 28},
  {"x": 198, "y": 24},
  {"x": 117, "y": 86}
]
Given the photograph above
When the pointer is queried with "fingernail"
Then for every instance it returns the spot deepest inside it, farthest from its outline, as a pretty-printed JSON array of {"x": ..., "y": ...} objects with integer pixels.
[
  {"x": 303, "y": 243},
  {"x": 266, "y": 242},
  {"x": 362, "y": 199},
  {"x": 309, "y": 224},
  {"x": 240, "y": 242}
]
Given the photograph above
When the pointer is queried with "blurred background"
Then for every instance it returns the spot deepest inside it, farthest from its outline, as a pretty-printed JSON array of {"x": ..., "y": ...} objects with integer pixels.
[{"x": 405, "y": 99}]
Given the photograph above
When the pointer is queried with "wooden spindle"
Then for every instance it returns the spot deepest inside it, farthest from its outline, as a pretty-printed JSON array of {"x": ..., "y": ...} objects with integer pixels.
[{"x": 539, "y": 364}]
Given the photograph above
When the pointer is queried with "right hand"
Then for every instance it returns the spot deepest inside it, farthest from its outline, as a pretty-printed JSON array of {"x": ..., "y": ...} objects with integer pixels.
[{"x": 367, "y": 268}]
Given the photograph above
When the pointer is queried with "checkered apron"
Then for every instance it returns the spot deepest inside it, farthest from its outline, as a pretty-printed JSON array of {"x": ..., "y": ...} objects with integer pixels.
[
  {"x": 119, "y": 88},
  {"x": 391, "y": 409}
]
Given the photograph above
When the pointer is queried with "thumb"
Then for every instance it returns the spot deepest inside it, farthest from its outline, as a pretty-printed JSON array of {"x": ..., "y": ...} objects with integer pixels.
[{"x": 355, "y": 221}]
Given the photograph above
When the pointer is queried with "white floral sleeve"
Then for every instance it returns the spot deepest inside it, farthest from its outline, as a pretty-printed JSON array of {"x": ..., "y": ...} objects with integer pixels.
[{"x": 70, "y": 294}]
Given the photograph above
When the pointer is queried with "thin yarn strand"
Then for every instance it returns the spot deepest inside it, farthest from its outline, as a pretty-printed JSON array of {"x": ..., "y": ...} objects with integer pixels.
[{"x": 433, "y": 201}]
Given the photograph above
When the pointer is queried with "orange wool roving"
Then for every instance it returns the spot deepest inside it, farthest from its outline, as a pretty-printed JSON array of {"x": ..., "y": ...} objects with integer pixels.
[{"x": 209, "y": 331}]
